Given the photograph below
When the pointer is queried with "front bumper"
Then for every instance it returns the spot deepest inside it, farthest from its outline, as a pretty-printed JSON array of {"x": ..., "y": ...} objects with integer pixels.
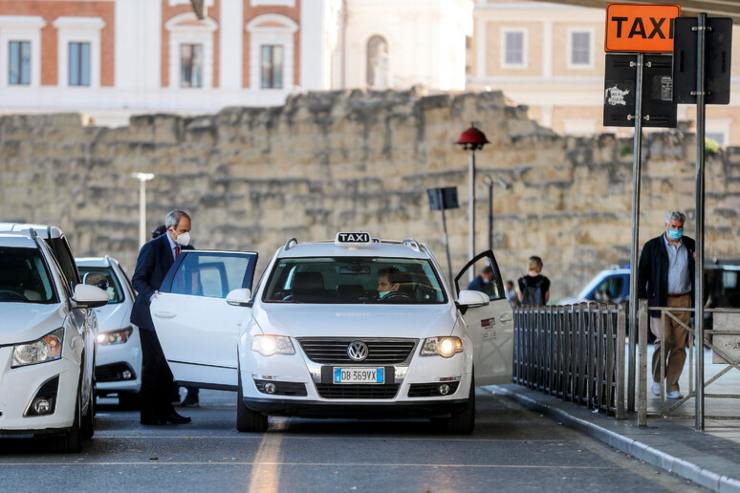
[
  {"x": 316, "y": 401},
  {"x": 108, "y": 361},
  {"x": 18, "y": 387},
  {"x": 331, "y": 409}
]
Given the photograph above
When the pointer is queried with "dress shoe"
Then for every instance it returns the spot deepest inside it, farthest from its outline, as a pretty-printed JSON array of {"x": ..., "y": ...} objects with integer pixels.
[
  {"x": 153, "y": 421},
  {"x": 177, "y": 419}
]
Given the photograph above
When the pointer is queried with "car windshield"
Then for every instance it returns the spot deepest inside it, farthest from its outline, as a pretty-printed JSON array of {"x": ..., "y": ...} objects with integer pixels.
[
  {"x": 105, "y": 279},
  {"x": 24, "y": 277},
  {"x": 348, "y": 280}
]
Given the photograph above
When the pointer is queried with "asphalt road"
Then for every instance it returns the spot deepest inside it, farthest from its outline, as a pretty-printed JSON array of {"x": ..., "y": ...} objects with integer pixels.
[{"x": 512, "y": 449}]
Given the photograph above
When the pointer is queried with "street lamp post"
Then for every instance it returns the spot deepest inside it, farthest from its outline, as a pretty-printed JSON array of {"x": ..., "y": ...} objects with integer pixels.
[
  {"x": 143, "y": 178},
  {"x": 471, "y": 140},
  {"x": 490, "y": 181}
]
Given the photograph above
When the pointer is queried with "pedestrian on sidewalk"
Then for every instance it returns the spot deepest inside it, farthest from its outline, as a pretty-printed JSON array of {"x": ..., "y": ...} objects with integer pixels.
[
  {"x": 534, "y": 288},
  {"x": 511, "y": 293},
  {"x": 665, "y": 278}
]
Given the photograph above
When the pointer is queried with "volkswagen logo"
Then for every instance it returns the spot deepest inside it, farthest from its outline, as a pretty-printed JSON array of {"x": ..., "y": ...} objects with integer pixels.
[{"x": 357, "y": 351}]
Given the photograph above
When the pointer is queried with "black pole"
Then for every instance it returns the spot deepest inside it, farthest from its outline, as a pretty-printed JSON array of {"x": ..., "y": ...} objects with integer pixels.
[
  {"x": 699, "y": 274},
  {"x": 490, "y": 215}
]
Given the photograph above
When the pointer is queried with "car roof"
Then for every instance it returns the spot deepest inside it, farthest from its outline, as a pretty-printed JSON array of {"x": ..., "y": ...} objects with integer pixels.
[
  {"x": 43, "y": 230},
  {"x": 93, "y": 261},
  {"x": 16, "y": 241},
  {"x": 378, "y": 248}
]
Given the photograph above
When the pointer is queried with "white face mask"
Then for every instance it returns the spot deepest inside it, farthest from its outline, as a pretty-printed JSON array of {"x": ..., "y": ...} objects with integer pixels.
[{"x": 183, "y": 239}]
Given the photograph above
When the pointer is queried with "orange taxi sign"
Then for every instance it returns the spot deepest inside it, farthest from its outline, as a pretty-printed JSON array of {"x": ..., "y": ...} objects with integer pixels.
[{"x": 637, "y": 28}]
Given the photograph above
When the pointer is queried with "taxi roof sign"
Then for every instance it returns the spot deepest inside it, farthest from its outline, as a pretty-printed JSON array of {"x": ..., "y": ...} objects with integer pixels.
[
  {"x": 353, "y": 238},
  {"x": 639, "y": 28}
]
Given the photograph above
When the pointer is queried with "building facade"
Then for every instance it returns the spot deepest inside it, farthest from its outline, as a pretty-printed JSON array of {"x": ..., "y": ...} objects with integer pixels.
[
  {"x": 112, "y": 58},
  {"x": 550, "y": 57}
]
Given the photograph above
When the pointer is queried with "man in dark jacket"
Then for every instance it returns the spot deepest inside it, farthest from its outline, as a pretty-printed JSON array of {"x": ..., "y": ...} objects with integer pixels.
[
  {"x": 665, "y": 278},
  {"x": 155, "y": 259}
]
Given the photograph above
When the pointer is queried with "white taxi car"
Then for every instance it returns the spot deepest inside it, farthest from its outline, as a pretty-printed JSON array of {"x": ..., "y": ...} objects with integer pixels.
[
  {"x": 118, "y": 354},
  {"x": 355, "y": 327},
  {"x": 47, "y": 339}
]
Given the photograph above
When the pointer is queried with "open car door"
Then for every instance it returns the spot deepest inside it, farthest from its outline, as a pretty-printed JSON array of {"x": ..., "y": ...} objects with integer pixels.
[
  {"x": 490, "y": 326},
  {"x": 197, "y": 329}
]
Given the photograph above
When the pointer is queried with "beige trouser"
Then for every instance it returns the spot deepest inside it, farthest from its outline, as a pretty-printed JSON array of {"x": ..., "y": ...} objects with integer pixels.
[{"x": 674, "y": 338}]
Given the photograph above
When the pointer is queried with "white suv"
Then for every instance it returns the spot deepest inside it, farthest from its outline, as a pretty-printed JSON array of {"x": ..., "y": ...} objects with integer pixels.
[
  {"x": 355, "y": 327},
  {"x": 47, "y": 339}
]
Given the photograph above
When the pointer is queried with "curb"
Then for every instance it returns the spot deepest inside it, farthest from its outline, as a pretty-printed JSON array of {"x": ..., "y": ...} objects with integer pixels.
[{"x": 639, "y": 450}]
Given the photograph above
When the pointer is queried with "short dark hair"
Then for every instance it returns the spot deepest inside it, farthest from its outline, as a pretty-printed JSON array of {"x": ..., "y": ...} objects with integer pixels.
[
  {"x": 394, "y": 275},
  {"x": 487, "y": 270},
  {"x": 159, "y": 231}
]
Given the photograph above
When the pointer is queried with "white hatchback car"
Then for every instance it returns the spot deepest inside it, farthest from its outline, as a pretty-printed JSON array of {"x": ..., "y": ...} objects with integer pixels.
[
  {"x": 47, "y": 340},
  {"x": 322, "y": 337},
  {"x": 118, "y": 351}
]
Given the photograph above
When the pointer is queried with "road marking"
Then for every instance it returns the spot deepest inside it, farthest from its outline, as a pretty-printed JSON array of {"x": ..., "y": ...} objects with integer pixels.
[
  {"x": 306, "y": 464},
  {"x": 265, "y": 475},
  {"x": 354, "y": 438}
]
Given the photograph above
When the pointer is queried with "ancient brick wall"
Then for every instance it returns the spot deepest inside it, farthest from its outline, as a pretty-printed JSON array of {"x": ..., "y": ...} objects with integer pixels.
[{"x": 253, "y": 177}]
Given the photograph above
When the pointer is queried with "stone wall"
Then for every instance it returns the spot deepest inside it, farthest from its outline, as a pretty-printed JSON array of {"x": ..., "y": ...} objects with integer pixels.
[{"x": 253, "y": 177}]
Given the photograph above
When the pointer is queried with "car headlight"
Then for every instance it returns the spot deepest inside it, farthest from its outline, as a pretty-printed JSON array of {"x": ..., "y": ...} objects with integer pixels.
[
  {"x": 445, "y": 346},
  {"x": 47, "y": 348},
  {"x": 269, "y": 344},
  {"x": 112, "y": 337}
]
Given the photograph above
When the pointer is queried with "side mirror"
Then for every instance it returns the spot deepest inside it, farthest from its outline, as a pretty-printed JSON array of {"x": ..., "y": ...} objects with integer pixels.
[
  {"x": 86, "y": 296},
  {"x": 470, "y": 298},
  {"x": 239, "y": 297}
]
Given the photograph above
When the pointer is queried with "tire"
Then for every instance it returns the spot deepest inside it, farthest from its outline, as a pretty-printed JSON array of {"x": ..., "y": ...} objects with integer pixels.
[
  {"x": 71, "y": 441},
  {"x": 463, "y": 421},
  {"x": 248, "y": 421},
  {"x": 87, "y": 425},
  {"x": 129, "y": 401}
]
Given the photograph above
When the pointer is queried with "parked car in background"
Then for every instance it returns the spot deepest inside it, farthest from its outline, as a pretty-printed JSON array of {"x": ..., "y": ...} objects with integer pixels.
[
  {"x": 47, "y": 339},
  {"x": 118, "y": 354},
  {"x": 610, "y": 285}
]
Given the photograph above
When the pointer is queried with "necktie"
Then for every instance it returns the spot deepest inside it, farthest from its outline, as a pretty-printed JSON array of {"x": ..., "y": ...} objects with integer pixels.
[{"x": 177, "y": 251}]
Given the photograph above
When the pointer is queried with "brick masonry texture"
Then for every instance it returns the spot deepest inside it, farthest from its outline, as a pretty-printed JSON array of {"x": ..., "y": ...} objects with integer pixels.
[{"x": 323, "y": 162}]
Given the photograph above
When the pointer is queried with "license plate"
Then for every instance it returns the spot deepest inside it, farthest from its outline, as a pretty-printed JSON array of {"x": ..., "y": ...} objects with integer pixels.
[{"x": 359, "y": 375}]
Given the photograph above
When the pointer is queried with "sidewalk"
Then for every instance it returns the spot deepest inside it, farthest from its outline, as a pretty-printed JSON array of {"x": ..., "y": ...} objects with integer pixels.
[{"x": 710, "y": 459}]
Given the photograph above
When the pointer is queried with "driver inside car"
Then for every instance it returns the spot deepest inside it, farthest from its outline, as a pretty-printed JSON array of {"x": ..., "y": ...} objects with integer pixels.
[{"x": 390, "y": 280}]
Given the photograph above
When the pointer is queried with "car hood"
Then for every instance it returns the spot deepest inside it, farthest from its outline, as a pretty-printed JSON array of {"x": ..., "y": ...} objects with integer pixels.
[
  {"x": 112, "y": 317},
  {"x": 299, "y": 320},
  {"x": 24, "y": 322}
]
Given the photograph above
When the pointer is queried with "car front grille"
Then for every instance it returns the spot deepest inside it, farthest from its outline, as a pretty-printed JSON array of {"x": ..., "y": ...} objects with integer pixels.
[
  {"x": 357, "y": 391},
  {"x": 381, "y": 351}
]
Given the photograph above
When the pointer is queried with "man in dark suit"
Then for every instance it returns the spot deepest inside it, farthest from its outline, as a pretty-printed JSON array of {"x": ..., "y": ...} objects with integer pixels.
[{"x": 155, "y": 259}]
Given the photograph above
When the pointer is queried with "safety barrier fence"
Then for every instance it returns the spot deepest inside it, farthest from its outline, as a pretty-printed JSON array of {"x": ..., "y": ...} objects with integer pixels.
[
  {"x": 723, "y": 339},
  {"x": 575, "y": 352},
  {"x": 578, "y": 353}
]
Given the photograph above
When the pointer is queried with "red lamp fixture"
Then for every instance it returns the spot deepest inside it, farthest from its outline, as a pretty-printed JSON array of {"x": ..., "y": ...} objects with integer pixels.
[{"x": 472, "y": 139}]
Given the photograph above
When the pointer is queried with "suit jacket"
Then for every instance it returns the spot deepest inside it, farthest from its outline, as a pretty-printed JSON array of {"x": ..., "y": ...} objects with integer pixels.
[
  {"x": 652, "y": 273},
  {"x": 154, "y": 261}
]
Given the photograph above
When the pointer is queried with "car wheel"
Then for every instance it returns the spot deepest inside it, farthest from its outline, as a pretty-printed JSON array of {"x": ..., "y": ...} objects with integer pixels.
[
  {"x": 71, "y": 441},
  {"x": 87, "y": 426},
  {"x": 128, "y": 401},
  {"x": 463, "y": 421},
  {"x": 246, "y": 419}
]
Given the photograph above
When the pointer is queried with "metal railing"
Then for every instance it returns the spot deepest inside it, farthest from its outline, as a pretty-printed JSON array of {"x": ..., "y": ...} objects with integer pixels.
[
  {"x": 730, "y": 329},
  {"x": 575, "y": 352}
]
